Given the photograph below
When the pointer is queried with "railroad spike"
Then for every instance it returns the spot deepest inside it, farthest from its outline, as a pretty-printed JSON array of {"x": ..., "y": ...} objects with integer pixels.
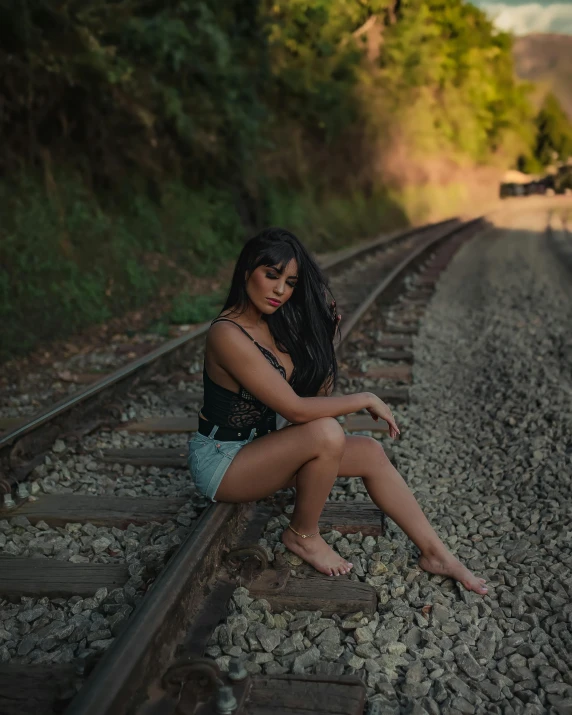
[
  {"x": 8, "y": 501},
  {"x": 225, "y": 701},
  {"x": 236, "y": 670}
]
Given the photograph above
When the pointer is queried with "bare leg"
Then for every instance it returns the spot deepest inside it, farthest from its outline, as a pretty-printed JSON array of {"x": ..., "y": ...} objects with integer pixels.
[
  {"x": 313, "y": 451},
  {"x": 364, "y": 457}
]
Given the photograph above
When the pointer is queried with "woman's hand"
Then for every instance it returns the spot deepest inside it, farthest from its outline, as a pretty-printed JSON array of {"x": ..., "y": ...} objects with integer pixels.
[{"x": 377, "y": 408}]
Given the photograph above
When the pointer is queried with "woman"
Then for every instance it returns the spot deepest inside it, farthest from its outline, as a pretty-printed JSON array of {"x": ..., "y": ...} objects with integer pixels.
[{"x": 270, "y": 353}]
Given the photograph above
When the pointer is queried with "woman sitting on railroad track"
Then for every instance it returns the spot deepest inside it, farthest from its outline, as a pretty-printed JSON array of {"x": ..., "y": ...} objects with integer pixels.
[{"x": 269, "y": 353}]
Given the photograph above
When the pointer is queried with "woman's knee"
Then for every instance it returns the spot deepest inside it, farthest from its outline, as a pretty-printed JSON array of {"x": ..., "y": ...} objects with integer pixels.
[
  {"x": 373, "y": 446},
  {"x": 328, "y": 435},
  {"x": 374, "y": 457}
]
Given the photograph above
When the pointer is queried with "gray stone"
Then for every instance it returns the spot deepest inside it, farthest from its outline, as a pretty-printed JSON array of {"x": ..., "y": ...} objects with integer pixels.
[
  {"x": 101, "y": 644},
  {"x": 462, "y": 705},
  {"x": 354, "y": 661},
  {"x": 563, "y": 707},
  {"x": 330, "y": 651},
  {"x": 330, "y": 635},
  {"x": 491, "y": 690},
  {"x": 461, "y": 688},
  {"x": 300, "y": 623},
  {"x": 274, "y": 668},
  {"x": 101, "y": 544},
  {"x": 486, "y": 645},
  {"x": 293, "y": 643},
  {"x": 268, "y": 639},
  {"x": 314, "y": 629},
  {"x": 440, "y": 614},
  {"x": 415, "y": 672},
  {"x": 413, "y": 637},
  {"x": 331, "y": 669},
  {"x": 62, "y": 630},
  {"x": 31, "y": 615},
  {"x": 469, "y": 665},
  {"x": 416, "y": 690},
  {"x": 363, "y": 635},
  {"x": 306, "y": 659},
  {"x": 27, "y": 644}
]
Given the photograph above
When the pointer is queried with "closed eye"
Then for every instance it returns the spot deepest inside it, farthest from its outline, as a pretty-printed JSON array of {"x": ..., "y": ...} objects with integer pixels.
[{"x": 273, "y": 276}]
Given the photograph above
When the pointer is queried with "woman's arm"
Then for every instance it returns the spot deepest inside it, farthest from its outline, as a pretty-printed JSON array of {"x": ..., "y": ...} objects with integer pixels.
[
  {"x": 326, "y": 389},
  {"x": 234, "y": 352}
]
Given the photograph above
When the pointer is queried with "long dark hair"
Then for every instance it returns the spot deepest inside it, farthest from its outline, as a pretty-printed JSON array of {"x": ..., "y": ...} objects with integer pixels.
[{"x": 305, "y": 326}]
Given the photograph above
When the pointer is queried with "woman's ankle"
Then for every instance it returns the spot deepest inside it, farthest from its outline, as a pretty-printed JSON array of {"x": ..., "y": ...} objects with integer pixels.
[
  {"x": 303, "y": 531},
  {"x": 435, "y": 552}
]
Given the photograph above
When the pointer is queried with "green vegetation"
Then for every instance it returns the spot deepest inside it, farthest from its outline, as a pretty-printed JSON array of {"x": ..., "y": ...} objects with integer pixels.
[
  {"x": 188, "y": 309},
  {"x": 554, "y": 137},
  {"x": 145, "y": 140},
  {"x": 553, "y": 141}
]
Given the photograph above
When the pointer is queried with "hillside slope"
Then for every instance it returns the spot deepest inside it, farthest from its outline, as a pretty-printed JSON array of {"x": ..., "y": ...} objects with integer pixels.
[{"x": 547, "y": 60}]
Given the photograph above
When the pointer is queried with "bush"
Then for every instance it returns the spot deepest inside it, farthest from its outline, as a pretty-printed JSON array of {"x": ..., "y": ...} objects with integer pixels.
[{"x": 195, "y": 309}]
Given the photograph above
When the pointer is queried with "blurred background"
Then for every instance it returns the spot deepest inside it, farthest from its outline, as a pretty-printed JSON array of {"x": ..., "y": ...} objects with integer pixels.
[{"x": 143, "y": 141}]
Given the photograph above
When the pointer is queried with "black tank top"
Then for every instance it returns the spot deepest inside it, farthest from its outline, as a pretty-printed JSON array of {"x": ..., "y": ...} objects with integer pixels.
[{"x": 238, "y": 409}]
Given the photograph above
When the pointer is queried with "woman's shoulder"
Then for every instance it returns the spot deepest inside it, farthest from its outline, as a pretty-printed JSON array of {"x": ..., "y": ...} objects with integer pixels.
[{"x": 225, "y": 330}]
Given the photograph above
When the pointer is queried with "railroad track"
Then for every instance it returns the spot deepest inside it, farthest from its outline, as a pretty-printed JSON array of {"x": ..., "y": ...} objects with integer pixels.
[{"x": 155, "y": 663}]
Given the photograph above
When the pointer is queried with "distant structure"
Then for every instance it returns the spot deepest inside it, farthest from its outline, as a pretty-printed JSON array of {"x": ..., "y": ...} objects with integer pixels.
[{"x": 557, "y": 181}]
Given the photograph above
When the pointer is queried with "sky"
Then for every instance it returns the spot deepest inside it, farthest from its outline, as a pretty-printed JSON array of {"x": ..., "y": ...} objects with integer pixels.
[{"x": 522, "y": 16}]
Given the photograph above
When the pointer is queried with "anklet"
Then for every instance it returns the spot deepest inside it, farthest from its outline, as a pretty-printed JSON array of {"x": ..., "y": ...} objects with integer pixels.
[{"x": 303, "y": 536}]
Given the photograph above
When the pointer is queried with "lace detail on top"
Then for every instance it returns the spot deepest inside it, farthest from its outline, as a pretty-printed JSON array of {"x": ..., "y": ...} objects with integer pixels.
[
  {"x": 239, "y": 409},
  {"x": 272, "y": 359}
]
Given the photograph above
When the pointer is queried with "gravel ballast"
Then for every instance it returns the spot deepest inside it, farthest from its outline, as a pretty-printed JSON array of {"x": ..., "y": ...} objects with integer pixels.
[{"x": 488, "y": 453}]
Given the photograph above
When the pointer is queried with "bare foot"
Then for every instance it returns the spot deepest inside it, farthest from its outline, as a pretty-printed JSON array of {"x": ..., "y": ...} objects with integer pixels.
[
  {"x": 317, "y": 553},
  {"x": 450, "y": 566}
]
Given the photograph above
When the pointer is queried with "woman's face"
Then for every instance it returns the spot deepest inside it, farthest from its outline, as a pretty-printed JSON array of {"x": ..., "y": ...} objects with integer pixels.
[{"x": 269, "y": 287}]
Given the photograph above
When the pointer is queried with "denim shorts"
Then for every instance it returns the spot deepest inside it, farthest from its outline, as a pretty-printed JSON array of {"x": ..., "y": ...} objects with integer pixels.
[{"x": 208, "y": 460}]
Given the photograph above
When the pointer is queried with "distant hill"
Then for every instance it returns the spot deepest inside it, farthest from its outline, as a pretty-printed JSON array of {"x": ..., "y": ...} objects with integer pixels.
[{"x": 547, "y": 60}]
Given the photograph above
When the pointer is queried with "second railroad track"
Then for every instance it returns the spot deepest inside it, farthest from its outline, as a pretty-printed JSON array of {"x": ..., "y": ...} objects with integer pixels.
[{"x": 113, "y": 594}]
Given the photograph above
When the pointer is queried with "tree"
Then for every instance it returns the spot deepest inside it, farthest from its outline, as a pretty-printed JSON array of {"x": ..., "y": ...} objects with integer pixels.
[{"x": 554, "y": 132}]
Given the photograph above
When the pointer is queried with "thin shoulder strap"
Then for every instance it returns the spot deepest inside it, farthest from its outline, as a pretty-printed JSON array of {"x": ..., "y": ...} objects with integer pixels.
[{"x": 228, "y": 320}]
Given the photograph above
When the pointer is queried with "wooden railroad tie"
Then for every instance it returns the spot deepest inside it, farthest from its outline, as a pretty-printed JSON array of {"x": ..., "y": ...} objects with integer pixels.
[
  {"x": 177, "y": 457},
  {"x": 395, "y": 355},
  {"x": 399, "y": 342},
  {"x": 421, "y": 295},
  {"x": 182, "y": 398},
  {"x": 49, "y": 577},
  {"x": 188, "y": 425},
  {"x": 329, "y": 594},
  {"x": 34, "y": 688},
  {"x": 392, "y": 395},
  {"x": 397, "y": 373},
  {"x": 276, "y": 695},
  {"x": 148, "y": 457},
  {"x": 60, "y": 509},
  {"x": 401, "y": 329},
  {"x": 315, "y": 694}
]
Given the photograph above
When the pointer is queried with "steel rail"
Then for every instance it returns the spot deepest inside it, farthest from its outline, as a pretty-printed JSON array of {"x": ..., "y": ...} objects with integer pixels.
[
  {"x": 59, "y": 408},
  {"x": 393, "y": 276},
  {"x": 131, "y": 663}
]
